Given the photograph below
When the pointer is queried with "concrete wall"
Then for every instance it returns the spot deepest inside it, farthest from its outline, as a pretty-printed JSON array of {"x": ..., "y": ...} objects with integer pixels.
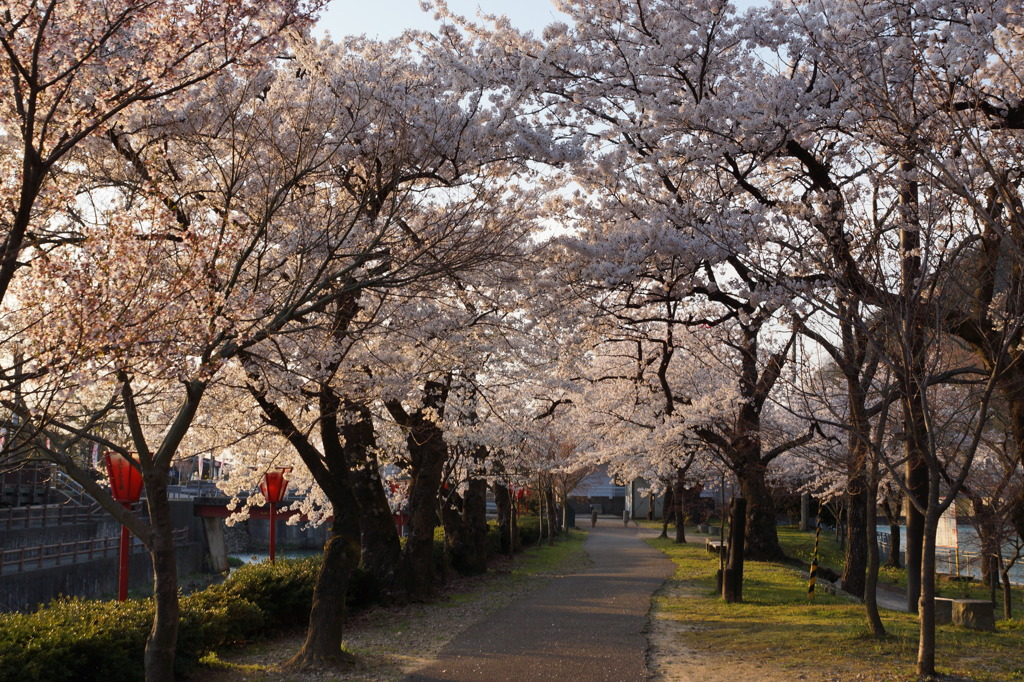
[
  {"x": 16, "y": 538},
  {"x": 95, "y": 579}
]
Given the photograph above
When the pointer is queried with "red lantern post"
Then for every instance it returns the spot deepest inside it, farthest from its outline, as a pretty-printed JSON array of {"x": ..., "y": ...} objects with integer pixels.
[
  {"x": 126, "y": 488},
  {"x": 273, "y": 486}
]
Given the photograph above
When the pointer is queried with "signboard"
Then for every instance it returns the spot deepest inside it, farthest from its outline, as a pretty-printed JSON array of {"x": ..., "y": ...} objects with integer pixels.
[{"x": 945, "y": 534}]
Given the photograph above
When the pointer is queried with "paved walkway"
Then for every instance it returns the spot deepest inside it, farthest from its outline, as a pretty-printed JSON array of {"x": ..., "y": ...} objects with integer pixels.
[
  {"x": 892, "y": 598},
  {"x": 588, "y": 626}
]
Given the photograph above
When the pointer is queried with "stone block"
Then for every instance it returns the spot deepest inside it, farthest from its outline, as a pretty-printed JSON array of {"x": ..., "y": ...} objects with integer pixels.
[
  {"x": 943, "y": 610},
  {"x": 976, "y": 614}
]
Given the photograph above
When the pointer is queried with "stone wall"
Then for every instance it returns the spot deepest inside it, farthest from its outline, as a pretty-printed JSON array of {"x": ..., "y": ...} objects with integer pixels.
[{"x": 237, "y": 538}]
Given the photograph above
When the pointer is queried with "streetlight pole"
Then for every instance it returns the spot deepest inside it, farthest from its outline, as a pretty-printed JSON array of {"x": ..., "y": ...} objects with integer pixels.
[
  {"x": 273, "y": 486},
  {"x": 126, "y": 488}
]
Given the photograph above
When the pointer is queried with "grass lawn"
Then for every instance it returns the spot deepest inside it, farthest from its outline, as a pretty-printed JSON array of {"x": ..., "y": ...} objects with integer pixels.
[{"x": 777, "y": 624}]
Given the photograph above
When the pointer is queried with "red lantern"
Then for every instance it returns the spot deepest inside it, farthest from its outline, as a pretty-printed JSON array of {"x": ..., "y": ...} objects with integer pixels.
[
  {"x": 273, "y": 486},
  {"x": 126, "y": 488},
  {"x": 125, "y": 479}
]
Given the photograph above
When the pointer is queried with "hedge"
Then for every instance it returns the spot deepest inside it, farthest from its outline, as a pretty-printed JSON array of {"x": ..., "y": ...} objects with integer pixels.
[{"x": 80, "y": 640}]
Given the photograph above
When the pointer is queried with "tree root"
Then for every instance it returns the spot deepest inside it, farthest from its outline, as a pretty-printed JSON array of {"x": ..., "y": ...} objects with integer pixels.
[{"x": 304, "y": 660}]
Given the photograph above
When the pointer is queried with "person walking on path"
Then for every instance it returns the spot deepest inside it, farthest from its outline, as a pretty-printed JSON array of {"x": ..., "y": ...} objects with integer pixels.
[{"x": 587, "y": 626}]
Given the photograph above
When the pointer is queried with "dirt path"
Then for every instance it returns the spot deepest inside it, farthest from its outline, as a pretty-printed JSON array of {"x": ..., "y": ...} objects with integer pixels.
[{"x": 585, "y": 626}]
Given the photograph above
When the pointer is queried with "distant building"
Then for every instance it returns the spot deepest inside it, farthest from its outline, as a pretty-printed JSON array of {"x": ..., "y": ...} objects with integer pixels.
[
  {"x": 598, "y": 490},
  {"x": 638, "y": 501}
]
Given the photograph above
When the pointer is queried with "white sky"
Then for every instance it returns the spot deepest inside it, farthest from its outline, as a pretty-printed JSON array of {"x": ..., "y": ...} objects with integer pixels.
[{"x": 387, "y": 18}]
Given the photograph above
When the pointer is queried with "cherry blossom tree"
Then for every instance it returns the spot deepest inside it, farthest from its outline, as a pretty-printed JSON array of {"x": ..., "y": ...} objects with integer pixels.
[
  {"x": 72, "y": 70},
  {"x": 433, "y": 169}
]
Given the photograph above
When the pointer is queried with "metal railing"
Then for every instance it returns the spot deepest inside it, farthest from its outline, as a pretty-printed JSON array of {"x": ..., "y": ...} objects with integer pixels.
[
  {"x": 952, "y": 561},
  {"x": 75, "y": 551},
  {"x": 45, "y": 516},
  {"x": 72, "y": 490}
]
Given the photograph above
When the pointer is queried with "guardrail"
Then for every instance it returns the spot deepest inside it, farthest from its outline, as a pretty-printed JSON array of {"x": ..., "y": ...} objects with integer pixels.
[{"x": 75, "y": 551}]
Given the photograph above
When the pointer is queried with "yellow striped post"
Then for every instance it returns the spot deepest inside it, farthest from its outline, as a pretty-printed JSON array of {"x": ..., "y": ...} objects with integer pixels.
[{"x": 814, "y": 558}]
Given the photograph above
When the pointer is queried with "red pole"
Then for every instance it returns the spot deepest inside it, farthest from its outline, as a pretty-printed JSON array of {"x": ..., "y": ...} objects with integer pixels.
[
  {"x": 273, "y": 535},
  {"x": 122, "y": 576}
]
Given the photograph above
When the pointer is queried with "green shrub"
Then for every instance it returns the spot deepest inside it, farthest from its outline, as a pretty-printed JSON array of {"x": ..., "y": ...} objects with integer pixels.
[
  {"x": 283, "y": 591},
  {"x": 440, "y": 556},
  {"x": 493, "y": 539},
  {"x": 529, "y": 530},
  {"x": 75, "y": 639},
  {"x": 215, "y": 617},
  {"x": 81, "y": 640}
]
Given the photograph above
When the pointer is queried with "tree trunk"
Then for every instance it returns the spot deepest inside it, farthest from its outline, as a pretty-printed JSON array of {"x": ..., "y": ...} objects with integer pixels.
[
  {"x": 163, "y": 637},
  {"x": 418, "y": 553},
  {"x": 516, "y": 544},
  {"x": 465, "y": 528},
  {"x": 327, "y": 616},
  {"x": 1004, "y": 572},
  {"x": 926, "y": 607},
  {"x": 427, "y": 455},
  {"x": 341, "y": 555},
  {"x": 871, "y": 577},
  {"x": 1012, "y": 389},
  {"x": 553, "y": 529},
  {"x": 762, "y": 537},
  {"x": 856, "y": 536},
  {"x": 541, "y": 518},
  {"x": 678, "y": 501},
  {"x": 917, "y": 481},
  {"x": 380, "y": 546},
  {"x": 503, "y": 504},
  {"x": 805, "y": 512},
  {"x": 732, "y": 576},
  {"x": 895, "y": 559},
  {"x": 988, "y": 526},
  {"x": 667, "y": 511},
  {"x": 331, "y": 470},
  {"x": 891, "y": 510},
  {"x": 474, "y": 517},
  {"x": 913, "y": 352}
]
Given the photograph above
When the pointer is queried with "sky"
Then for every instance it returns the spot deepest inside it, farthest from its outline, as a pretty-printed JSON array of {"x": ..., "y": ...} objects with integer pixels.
[{"x": 387, "y": 18}]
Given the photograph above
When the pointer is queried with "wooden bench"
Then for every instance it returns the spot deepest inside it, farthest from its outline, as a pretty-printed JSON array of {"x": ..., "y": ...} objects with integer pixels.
[{"x": 714, "y": 546}]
